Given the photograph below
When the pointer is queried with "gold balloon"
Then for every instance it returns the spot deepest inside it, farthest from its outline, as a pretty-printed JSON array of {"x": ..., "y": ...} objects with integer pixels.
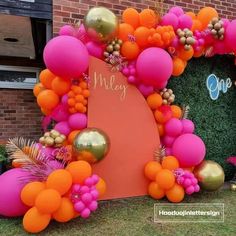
[
  {"x": 101, "y": 23},
  {"x": 210, "y": 175},
  {"x": 91, "y": 145}
]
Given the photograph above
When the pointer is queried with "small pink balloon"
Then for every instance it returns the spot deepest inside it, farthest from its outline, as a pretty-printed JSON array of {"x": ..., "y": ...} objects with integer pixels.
[
  {"x": 194, "y": 181},
  {"x": 79, "y": 206},
  {"x": 189, "y": 190},
  {"x": 170, "y": 19},
  {"x": 173, "y": 127},
  {"x": 187, "y": 183},
  {"x": 76, "y": 188},
  {"x": 181, "y": 180},
  {"x": 145, "y": 90},
  {"x": 168, "y": 141},
  {"x": 86, "y": 198},
  {"x": 131, "y": 79},
  {"x": 95, "y": 49},
  {"x": 178, "y": 11},
  {"x": 196, "y": 188},
  {"x": 63, "y": 127},
  {"x": 175, "y": 42},
  {"x": 81, "y": 34},
  {"x": 95, "y": 178},
  {"x": 189, "y": 149},
  {"x": 88, "y": 182},
  {"x": 67, "y": 30},
  {"x": 94, "y": 194},
  {"x": 85, "y": 213},
  {"x": 185, "y": 21},
  {"x": 64, "y": 100},
  {"x": 125, "y": 71},
  {"x": 93, "y": 206},
  {"x": 77, "y": 121},
  {"x": 188, "y": 126},
  {"x": 84, "y": 189}
]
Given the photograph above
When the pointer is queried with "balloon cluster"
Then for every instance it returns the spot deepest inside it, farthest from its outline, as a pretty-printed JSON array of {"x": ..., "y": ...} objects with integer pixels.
[
  {"x": 52, "y": 138},
  {"x": 216, "y": 27},
  {"x": 168, "y": 96},
  {"x": 186, "y": 38},
  {"x": 113, "y": 48}
]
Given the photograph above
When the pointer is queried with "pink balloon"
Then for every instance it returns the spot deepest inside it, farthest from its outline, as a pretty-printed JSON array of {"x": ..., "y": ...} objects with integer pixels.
[
  {"x": 81, "y": 34},
  {"x": 168, "y": 151},
  {"x": 63, "y": 127},
  {"x": 85, "y": 213},
  {"x": 230, "y": 35},
  {"x": 189, "y": 190},
  {"x": 145, "y": 90},
  {"x": 60, "y": 113},
  {"x": 84, "y": 189},
  {"x": 95, "y": 49},
  {"x": 185, "y": 21},
  {"x": 154, "y": 66},
  {"x": 67, "y": 30},
  {"x": 78, "y": 121},
  {"x": 47, "y": 152},
  {"x": 79, "y": 206},
  {"x": 196, "y": 188},
  {"x": 189, "y": 149},
  {"x": 93, "y": 206},
  {"x": 188, "y": 126},
  {"x": 186, "y": 183},
  {"x": 178, "y": 11},
  {"x": 170, "y": 19},
  {"x": 86, "y": 198},
  {"x": 173, "y": 127},
  {"x": 168, "y": 141},
  {"x": 66, "y": 56},
  {"x": 11, "y": 186},
  {"x": 64, "y": 100}
]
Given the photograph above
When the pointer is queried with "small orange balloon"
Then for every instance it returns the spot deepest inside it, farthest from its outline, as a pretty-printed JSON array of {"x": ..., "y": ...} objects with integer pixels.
[
  {"x": 197, "y": 25},
  {"x": 48, "y": 99},
  {"x": 65, "y": 212},
  {"x": 148, "y": 18},
  {"x": 101, "y": 187},
  {"x": 30, "y": 192},
  {"x": 37, "y": 89},
  {"x": 80, "y": 170},
  {"x": 178, "y": 66},
  {"x": 35, "y": 221},
  {"x": 48, "y": 201},
  {"x": 131, "y": 17},
  {"x": 46, "y": 77},
  {"x": 161, "y": 129},
  {"x": 176, "y": 111},
  {"x": 165, "y": 179},
  {"x": 155, "y": 191},
  {"x": 170, "y": 163},
  {"x": 60, "y": 180},
  {"x": 141, "y": 35},
  {"x": 130, "y": 50},
  {"x": 72, "y": 135},
  {"x": 61, "y": 86},
  {"x": 124, "y": 31},
  {"x": 160, "y": 117},
  {"x": 175, "y": 194},
  {"x": 151, "y": 169},
  {"x": 154, "y": 101},
  {"x": 205, "y": 15},
  {"x": 185, "y": 54}
]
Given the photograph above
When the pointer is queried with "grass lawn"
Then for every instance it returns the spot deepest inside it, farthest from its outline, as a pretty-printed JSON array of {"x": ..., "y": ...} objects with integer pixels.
[{"x": 134, "y": 216}]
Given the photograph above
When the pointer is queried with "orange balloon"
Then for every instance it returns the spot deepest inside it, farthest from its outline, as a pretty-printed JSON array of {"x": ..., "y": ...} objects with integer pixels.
[
  {"x": 48, "y": 201},
  {"x": 61, "y": 86},
  {"x": 45, "y": 111},
  {"x": 178, "y": 66},
  {"x": 65, "y": 212},
  {"x": 154, "y": 101},
  {"x": 101, "y": 187},
  {"x": 80, "y": 170},
  {"x": 35, "y": 221},
  {"x": 37, "y": 89},
  {"x": 165, "y": 179},
  {"x": 131, "y": 17},
  {"x": 191, "y": 14},
  {"x": 148, "y": 18},
  {"x": 60, "y": 180},
  {"x": 46, "y": 77},
  {"x": 161, "y": 129},
  {"x": 197, "y": 25},
  {"x": 160, "y": 117},
  {"x": 151, "y": 169},
  {"x": 141, "y": 36},
  {"x": 30, "y": 192},
  {"x": 175, "y": 194},
  {"x": 176, "y": 111},
  {"x": 72, "y": 135},
  {"x": 130, "y": 50},
  {"x": 199, "y": 53},
  {"x": 155, "y": 191},
  {"x": 205, "y": 15},
  {"x": 47, "y": 99},
  {"x": 124, "y": 31},
  {"x": 185, "y": 54},
  {"x": 170, "y": 163}
]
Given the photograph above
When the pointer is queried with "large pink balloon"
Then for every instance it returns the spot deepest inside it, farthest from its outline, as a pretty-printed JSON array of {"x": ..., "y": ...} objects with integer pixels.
[
  {"x": 63, "y": 127},
  {"x": 11, "y": 186},
  {"x": 230, "y": 35},
  {"x": 170, "y": 19},
  {"x": 189, "y": 149},
  {"x": 178, "y": 11},
  {"x": 60, "y": 113},
  {"x": 66, "y": 56},
  {"x": 154, "y": 67},
  {"x": 185, "y": 21},
  {"x": 78, "y": 121}
]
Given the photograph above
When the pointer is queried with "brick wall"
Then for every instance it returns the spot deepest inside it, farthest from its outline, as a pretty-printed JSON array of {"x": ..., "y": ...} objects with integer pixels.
[
  {"x": 66, "y": 10},
  {"x": 19, "y": 114}
]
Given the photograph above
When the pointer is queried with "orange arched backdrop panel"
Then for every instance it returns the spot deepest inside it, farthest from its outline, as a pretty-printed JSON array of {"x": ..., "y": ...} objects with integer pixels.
[{"x": 120, "y": 110}]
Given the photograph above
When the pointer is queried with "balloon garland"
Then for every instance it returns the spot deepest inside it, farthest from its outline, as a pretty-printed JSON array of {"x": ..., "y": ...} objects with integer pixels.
[{"x": 53, "y": 178}]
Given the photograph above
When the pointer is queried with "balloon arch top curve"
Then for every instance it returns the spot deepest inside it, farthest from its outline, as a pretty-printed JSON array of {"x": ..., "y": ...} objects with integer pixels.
[{"x": 147, "y": 49}]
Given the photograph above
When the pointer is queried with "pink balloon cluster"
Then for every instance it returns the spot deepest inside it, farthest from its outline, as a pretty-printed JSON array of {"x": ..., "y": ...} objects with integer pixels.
[
  {"x": 84, "y": 197},
  {"x": 199, "y": 39},
  {"x": 187, "y": 180}
]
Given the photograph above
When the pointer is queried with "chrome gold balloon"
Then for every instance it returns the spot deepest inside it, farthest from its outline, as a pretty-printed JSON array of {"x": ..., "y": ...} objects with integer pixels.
[
  {"x": 210, "y": 175},
  {"x": 101, "y": 24},
  {"x": 91, "y": 145}
]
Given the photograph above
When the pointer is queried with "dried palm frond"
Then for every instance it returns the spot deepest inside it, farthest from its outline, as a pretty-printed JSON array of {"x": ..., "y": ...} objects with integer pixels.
[
  {"x": 159, "y": 154},
  {"x": 185, "y": 111}
]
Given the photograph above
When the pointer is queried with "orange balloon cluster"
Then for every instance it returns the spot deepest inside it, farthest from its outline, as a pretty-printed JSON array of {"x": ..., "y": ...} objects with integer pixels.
[
  {"x": 50, "y": 200},
  {"x": 77, "y": 98},
  {"x": 163, "y": 180},
  {"x": 162, "y": 36}
]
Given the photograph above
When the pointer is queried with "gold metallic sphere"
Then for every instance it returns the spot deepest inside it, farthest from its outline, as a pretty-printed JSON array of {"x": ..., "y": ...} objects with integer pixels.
[
  {"x": 91, "y": 145},
  {"x": 210, "y": 175},
  {"x": 101, "y": 24}
]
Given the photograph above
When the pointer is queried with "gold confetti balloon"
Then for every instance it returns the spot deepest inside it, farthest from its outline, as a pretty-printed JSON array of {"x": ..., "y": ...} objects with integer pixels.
[
  {"x": 91, "y": 145},
  {"x": 210, "y": 175},
  {"x": 101, "y": 24}
]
